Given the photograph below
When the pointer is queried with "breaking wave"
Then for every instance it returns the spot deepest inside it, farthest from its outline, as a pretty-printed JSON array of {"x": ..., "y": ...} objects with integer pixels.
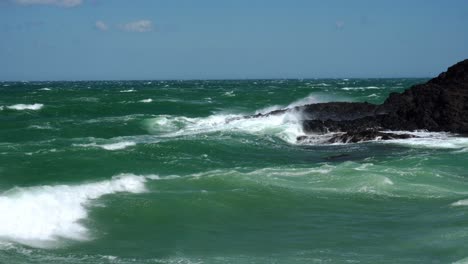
[
  {"x": 20, "y": 107},
  {"x": 39, "y": 216}
]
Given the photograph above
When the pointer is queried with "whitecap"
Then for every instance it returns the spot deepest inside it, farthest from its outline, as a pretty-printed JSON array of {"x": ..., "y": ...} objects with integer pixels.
[
  {"x": 460, "y": 203},
  {"x": 442, "y": 140},
  {"x": 322, "y": 84},
  {"x": 230, "y": 94},
  {"x": 310, "y": 99},
  {"x": 111, "y": 146},
  {"x": 45, "y": 89},
  {"x": 39, "y": 216},
  {"x": 128, "y": 91},
  {"x": 149, "y": 100},
  {"x": 20, "y": 107},
  {"x": 461, "y": 261},
  {"x": 360, "y": 88},
  {"x": 41, "y": 127},
  {"x": 118, "y": 145},
  {"x": 286, "y": 126}
]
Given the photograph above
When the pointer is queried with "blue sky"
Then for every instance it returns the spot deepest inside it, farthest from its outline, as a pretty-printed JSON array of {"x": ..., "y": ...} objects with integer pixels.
[{"x": 217, "y": 39}]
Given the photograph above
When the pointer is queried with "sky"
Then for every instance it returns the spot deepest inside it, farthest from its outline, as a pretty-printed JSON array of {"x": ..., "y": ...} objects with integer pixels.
[{"x": 229, "y": 39}]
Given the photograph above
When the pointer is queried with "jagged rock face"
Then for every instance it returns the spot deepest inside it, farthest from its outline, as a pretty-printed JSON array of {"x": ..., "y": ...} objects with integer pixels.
[
  {"x": 441, "y": 104},
  {"x": 366, "y": 135}
]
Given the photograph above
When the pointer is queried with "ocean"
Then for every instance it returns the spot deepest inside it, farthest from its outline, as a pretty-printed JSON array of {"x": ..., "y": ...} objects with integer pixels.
[{"x": 171, "y": 172}]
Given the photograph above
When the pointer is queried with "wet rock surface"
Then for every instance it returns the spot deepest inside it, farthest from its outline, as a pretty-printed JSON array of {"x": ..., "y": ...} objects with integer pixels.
[{"x": 441, "y": 104}]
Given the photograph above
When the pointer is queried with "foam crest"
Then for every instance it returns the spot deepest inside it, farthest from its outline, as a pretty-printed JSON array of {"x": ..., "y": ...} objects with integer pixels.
[
  {"x": 286, "y": 126},
  {"x": 310, "y": 99},
  {"x": 360, "y": 88},
  {"x": 439, "y": 140},
  {"x": 118, "y": 145},
  {"x": 39, "y": 216},
  {"x": 20, "y": 107},
  {"x": 460, "y": 203},
  {"x": 128, "y": 91},
  {"x": 111, "y": 146}
]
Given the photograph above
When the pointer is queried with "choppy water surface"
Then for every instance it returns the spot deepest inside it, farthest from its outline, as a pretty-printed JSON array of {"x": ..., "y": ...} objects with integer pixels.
[{"x": 152, "y": 172}]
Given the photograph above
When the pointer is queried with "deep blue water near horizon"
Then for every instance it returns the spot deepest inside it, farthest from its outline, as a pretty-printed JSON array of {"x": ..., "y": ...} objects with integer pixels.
[{"x": 169, "y": 172}]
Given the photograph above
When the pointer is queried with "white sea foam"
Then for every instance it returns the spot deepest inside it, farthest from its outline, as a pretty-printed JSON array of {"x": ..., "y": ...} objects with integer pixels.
[
  {"x": 20, "y": 107},
  {"x": 360, "y": 88},
  {"x": 45, "y": 126},
  {"x": 118, "y": 145},
  {"x": 45, "y": 89},
  {"x": 286, "y": 126},
  {"x": 149, "y": 100},
  {"x": 230, "y": 93},
  {"x": 128, "y": 91},
  {"x": 440, "y": 140},
  {"x": 323, "y": 84},
  {"x": 460, "y": 203},
  {"x": 39, "y": 216},
  {"x": 461, "y": 261},
  {"x": 111, "y": 146},
  {"x": 310, "y": 99}
]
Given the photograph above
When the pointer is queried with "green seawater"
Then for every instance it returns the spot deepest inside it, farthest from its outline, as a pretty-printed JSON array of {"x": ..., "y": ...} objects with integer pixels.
[{"x": 169, "y": 172}]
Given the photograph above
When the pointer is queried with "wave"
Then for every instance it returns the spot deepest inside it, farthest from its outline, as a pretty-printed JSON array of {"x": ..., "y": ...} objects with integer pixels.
[
  {"x": 360, "y": 88},
  {"x": 20, "y": 107},
  {"x": 149, "y": 100},
  {"x": 230, "y": 94},
  {"x": 111, "y": 146},
  {"x": 346, "y": 178},
  {"x": 424, "y": 139},
  {"x": 285, "y": 126},
  {"x": 39, "y": 216},
  {"x": 463, "y": 202},
  {"x": 41, "y": 127},
  {"x": 128, "y": 91}
]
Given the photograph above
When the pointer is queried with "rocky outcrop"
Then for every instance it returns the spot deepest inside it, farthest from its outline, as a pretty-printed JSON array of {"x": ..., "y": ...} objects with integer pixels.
[{"x": 441, "y": 104}]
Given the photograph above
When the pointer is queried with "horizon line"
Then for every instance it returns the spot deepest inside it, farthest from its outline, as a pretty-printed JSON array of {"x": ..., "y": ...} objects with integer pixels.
[{"x": 212, "y": 79}]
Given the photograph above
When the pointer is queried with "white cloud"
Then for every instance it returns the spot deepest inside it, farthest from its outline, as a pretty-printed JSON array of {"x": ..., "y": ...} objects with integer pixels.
[
  {"x": 62, "y": 3},
  {"x": 138, "y": 26},
  {"x": 101, "y": 25}
]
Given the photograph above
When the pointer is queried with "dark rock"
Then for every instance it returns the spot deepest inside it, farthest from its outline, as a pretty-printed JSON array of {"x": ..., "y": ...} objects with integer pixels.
[
  {"x": 441, "y": 104},
  {"x": 366, "y": 135}
]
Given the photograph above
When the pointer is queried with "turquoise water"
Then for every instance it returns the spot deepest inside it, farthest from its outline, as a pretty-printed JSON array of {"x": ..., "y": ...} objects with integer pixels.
[{"x": 154, "y": 172}]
